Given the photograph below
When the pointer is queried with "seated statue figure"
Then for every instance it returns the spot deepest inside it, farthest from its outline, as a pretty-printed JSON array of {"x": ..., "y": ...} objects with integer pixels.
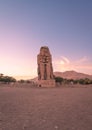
[{"x": 44, "y": 61}]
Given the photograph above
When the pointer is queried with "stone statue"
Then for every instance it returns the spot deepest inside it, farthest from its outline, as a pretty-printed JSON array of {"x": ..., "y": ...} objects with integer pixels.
[{"x": 44, "y": 61}]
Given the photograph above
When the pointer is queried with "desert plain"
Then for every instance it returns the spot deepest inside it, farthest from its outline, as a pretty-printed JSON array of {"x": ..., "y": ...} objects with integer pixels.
[{"x": 33, "y": 108}]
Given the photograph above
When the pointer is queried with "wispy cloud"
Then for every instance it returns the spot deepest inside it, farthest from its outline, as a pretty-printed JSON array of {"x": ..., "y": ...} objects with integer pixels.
[
  {"x": 83, "y": 64},
  {"x": 64, "y": 60},
  {"x": 83, "y": 59}
]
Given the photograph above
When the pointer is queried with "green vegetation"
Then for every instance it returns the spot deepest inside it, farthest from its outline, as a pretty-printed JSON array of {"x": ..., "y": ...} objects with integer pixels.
[
  {"x": 21, "y": 81},
  {"x": 84, "y": 81},
  {"x": 24, "y": 81},
  {"x": 58, "y": 80},
  {"x": 6, "y": 79},
  {"x": 61, "y": 80}
]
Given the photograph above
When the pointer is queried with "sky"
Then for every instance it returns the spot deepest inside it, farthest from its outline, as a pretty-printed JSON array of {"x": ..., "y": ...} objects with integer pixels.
[{"x": 65, "y": 26}]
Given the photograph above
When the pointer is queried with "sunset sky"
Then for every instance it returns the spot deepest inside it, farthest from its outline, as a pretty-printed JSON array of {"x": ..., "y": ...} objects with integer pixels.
[{"x": 65, "y": 26}]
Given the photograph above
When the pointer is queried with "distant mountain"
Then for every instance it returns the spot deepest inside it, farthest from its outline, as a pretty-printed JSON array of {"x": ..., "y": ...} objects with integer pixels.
[{"x": 72, "y": 75}]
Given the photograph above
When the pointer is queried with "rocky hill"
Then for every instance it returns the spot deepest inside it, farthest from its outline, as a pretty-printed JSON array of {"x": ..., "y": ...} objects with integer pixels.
[{"x": 72, "y": 75}]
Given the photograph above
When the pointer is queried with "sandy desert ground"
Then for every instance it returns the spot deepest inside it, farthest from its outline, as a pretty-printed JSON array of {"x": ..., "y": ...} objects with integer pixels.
[{"x": 46, "y": 108}]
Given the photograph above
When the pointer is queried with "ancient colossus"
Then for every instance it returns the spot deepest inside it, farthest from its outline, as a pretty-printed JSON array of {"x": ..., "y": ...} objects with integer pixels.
[{"x": 45, "y": 69}]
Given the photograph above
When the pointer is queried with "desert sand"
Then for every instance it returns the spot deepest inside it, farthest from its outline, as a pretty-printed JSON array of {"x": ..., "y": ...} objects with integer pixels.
[{"x": 45, "y": 108}]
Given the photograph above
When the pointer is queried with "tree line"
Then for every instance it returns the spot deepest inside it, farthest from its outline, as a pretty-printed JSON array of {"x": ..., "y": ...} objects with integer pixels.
[
  {"x": 6, "y": 79},
  {"x": 9, "y": 79},
  {"x": 61, "y": 80}
]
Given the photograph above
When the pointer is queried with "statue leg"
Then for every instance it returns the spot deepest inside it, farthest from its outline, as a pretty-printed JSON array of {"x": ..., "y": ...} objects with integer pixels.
[
  {"x": 48, "y": 69},
  {"x": 42, "y": 71}
]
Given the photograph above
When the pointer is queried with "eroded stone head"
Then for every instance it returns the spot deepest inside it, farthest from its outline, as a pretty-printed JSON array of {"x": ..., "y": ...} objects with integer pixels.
[{"x": 44, "y": 50}]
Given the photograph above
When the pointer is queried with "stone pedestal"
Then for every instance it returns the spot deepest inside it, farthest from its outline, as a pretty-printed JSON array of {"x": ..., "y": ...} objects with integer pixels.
[{"x": 46, "y": 83}]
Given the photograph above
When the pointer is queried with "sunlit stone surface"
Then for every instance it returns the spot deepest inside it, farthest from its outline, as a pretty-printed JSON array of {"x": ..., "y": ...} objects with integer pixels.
[{"x": 45, "y": 69}]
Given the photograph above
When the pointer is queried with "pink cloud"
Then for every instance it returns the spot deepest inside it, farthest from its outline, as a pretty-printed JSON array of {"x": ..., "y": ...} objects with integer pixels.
[{"x": 83, "y": 65}]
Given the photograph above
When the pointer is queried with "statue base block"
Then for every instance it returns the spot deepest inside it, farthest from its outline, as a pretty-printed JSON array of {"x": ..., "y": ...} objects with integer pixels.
[{"x": 46, "y": 83}]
